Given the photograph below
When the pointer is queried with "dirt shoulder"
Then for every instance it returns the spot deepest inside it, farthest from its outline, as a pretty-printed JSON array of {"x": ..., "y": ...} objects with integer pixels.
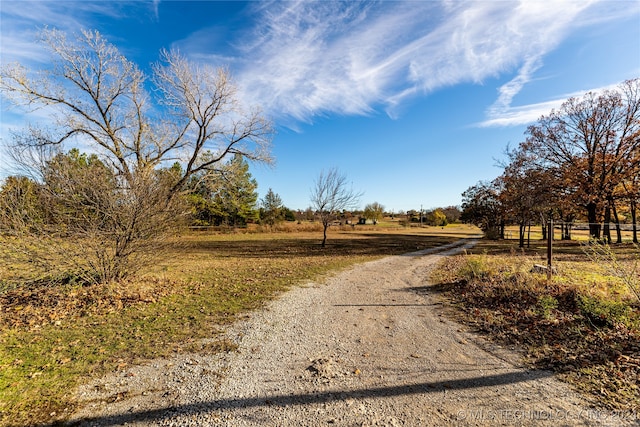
[{"x": 369, "y": 347}]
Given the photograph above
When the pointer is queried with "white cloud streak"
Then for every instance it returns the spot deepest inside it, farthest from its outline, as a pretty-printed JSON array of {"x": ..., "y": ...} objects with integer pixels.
[
  {"x": 507, "y": 115},
  {"x": 23, "y": 20},
  {"x": 306, "y": 59},
  {"x": 502, "y": 113}
]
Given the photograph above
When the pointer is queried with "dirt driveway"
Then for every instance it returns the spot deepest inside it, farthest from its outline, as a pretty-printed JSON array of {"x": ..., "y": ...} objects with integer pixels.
[{"x": 368, "y": 347}]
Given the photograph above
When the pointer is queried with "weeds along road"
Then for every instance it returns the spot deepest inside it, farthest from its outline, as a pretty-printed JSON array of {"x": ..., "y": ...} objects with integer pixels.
[{"x": 370, "y": 346}]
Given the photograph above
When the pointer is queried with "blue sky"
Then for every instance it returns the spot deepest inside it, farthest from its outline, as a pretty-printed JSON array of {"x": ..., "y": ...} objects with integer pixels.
[{"x": 414, "y": 101}]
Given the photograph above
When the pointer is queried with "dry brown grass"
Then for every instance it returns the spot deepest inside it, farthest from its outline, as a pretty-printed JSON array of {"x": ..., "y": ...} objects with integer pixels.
[{"x": 55, "y": 334}]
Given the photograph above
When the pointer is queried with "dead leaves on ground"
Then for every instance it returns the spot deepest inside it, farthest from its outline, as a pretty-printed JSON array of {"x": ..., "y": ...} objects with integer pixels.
[
  {"x": 598, "y": 354},
  {"x": 33, "y": 307}
]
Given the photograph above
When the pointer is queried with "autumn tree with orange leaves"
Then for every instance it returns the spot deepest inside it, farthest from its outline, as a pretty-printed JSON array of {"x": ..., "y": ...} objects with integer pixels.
[{"x": 592, "y": 142}]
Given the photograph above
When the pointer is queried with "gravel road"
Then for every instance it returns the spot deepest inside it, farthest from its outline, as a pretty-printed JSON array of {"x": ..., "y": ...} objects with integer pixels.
[{"x": 370, "y": 346}]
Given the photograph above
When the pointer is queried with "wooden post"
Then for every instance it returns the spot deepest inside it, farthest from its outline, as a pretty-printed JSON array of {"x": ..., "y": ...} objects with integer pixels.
[{"x": 549, "y": 247}]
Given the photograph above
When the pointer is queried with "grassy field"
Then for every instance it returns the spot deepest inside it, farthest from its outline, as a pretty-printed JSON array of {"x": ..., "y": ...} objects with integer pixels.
[
  {"x": 53, "y": 336},
  {"x": 583, "y": 324}
]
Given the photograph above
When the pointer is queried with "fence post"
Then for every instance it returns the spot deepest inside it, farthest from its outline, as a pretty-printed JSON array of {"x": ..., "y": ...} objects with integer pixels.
[{"x": 549, "y": 247}]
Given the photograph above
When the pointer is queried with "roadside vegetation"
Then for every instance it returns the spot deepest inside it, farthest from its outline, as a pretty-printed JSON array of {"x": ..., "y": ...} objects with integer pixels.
[
  {"x": 584, "y": 324},
  {"x": 578, "y": 167},
  {"x": 57, "y": 333}
]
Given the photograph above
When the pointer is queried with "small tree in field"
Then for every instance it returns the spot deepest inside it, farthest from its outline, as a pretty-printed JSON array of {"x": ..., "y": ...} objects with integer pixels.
[
  {"x": 374, "y": 212},
  {"x": 436, "y": 218},
  {"x": 452, "y": 213},
  {"x": 481, "y": 206},
  {"x": 273, "y": 209},
  {"x": 330, "y": 196}
]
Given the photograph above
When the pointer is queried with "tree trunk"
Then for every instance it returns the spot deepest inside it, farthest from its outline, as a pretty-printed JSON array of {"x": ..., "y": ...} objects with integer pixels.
[
  {"x": 522, "y": 229},
  {"x": 544, "y": 229},
  {"x": 529, "y": 235},
  {"x": 606, "y": 233},
  {"x": 592, "y": 217},
  {"x": 324, "y": 231},
  {"x": 568, "y": 224},
  {"x": 616, "y": 218},
  {"x": 566, "y": 230}
]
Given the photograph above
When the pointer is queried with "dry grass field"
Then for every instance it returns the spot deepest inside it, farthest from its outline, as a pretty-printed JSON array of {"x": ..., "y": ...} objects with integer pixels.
[
  {"x": 584, "y": 324},
  {"x": 54, "y": 335}
]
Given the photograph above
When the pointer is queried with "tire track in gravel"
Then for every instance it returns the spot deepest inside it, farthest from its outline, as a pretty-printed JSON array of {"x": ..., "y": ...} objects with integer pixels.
[{"x": 362, "y": 349}]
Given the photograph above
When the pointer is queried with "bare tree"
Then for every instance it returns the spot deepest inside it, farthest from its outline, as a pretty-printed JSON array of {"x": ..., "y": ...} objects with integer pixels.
[
  {"x": 98, "y": 98},
  {"x": 20, "y": 206},
  {"x": 78, "y": 224},
  {"x": 330, "y": 196}
]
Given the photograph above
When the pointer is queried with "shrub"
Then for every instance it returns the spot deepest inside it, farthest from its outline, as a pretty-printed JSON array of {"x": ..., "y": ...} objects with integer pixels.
[
  {"x": 476, "y": 267},
  {"x": 628, "y": 272},
  {"x": 546, "y": 303},
  {"x": 603, "y": 312}
]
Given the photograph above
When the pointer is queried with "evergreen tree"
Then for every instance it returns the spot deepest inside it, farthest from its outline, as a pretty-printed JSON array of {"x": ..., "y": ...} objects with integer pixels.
[
  {"x": 288, "y": 214},
  {"x": 272, "y": 208},
  {"x": 226, "y": 196}
]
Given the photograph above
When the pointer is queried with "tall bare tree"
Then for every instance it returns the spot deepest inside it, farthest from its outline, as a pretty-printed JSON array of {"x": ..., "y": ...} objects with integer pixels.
[
  {"x": 135, "y": 124},
  {"x": 100, "y": 97},
  {"x": 331, "y": 195}
]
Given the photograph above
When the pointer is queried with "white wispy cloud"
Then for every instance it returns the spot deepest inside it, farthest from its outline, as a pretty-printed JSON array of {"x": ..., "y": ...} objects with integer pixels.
[
  {"x": 507, "y": 115},
  {"x": 503, "y": 113},
  {"x": 311, "y": 58},
  {"x": 304, "y": 59},
  {"x": 522, "y": 115},
  {"x": 156, "y": 8},
  {"x": 23, "y": 20}
]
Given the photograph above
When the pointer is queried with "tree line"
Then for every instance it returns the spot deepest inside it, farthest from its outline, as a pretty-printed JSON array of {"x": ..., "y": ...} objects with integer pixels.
[
  {"x": 72, "y": 180},
  {"x": 579, "y": 163}
]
